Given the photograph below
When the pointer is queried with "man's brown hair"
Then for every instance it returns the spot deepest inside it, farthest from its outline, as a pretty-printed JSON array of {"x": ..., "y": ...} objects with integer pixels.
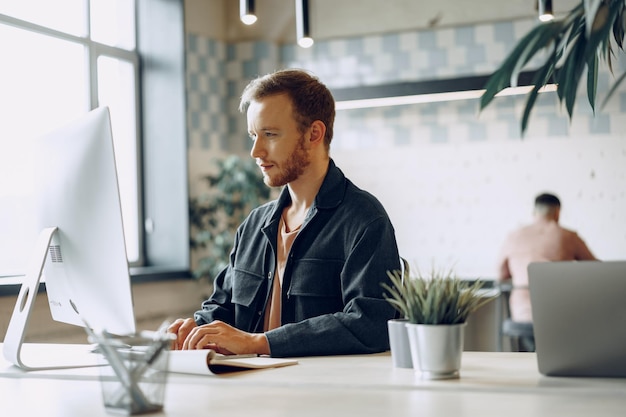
[{"x": 311, "y": 99}]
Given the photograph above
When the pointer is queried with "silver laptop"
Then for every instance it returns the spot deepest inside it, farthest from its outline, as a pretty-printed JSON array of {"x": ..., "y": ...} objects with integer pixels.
[{"x": 579, "y": 317}]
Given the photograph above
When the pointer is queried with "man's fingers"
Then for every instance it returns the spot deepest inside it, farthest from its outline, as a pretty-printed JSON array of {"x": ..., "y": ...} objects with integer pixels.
[
  {"x": 181, "y": 328},
  {"x": 198, "y": 337}
]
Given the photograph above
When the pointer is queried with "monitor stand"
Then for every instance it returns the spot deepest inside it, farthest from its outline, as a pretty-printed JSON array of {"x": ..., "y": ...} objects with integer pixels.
[{"x": 37, "y": 359}]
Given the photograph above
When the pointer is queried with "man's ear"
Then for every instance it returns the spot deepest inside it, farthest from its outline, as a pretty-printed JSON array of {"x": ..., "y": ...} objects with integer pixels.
[{"x": 318, "y": 131}]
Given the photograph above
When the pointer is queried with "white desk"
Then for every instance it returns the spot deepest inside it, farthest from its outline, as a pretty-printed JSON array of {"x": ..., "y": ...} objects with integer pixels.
[{"x": 491, "y": 384}]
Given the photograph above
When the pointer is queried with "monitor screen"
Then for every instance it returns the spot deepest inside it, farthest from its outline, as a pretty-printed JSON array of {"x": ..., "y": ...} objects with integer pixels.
[{"x": 80, "y": 253}]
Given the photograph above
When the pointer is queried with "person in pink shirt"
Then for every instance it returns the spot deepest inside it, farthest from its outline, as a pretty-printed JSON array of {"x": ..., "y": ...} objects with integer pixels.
[{"x": 543, "y": 240}]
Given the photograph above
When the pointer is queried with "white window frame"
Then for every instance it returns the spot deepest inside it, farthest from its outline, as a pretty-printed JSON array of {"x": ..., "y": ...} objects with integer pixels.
[{"x": 93, "y": 51}]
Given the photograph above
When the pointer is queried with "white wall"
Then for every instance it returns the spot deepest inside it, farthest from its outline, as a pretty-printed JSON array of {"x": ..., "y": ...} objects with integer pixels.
[{"x": 454, "y": 204}]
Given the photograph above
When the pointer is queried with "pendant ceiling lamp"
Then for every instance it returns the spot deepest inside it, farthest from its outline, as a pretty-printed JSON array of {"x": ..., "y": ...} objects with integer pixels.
[
  {"x": 303, "y": 31},
  {"x": 246, "y": 11},
  {"x": 545, "y": 10}
]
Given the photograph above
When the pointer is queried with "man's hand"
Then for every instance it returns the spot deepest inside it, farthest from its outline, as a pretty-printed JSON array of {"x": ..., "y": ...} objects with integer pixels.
[
  {"x": 181, "y": 328},
  {"x": 218, "y": 336}
]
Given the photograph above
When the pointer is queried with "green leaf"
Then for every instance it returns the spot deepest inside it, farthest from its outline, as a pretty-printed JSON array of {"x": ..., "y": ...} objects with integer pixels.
[
  {"x": 592, "y": 81},
  {"x": 600, "y": 35},
  {"x": 535, "y": 40},
  {"x": 542, "y": 37},
  {"x": 439, "y": 298},
  {"x": 569, "y": 77},
  {"x": 563, "y": 70},
  {"x": 541, "y": 78},
  {"x": 530, "y": 102},
  {"x": 582, "y": 39},
  {"x": 619, "y": 27},
  {"x": 591, "y": 10},
  {"x": 599, "y": 42}
]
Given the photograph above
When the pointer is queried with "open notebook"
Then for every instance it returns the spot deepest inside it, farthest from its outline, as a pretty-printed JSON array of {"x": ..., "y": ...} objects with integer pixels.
[
  {"x": 579, "y": 317},
  {"x": 208, "y": 362}
]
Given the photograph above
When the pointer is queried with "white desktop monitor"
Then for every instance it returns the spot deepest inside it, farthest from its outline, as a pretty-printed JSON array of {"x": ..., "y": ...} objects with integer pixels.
[{"x": 81, "y": 250}]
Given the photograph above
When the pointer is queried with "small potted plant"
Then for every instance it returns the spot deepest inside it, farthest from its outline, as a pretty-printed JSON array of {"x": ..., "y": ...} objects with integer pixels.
[{"x": 436, "y": 307}]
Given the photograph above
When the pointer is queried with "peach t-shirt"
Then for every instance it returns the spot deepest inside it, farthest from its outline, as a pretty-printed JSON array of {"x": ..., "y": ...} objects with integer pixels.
[{"x": 285, "y": 240}]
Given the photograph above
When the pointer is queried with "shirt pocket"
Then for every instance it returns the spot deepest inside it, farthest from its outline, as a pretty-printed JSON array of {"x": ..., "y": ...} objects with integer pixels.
[
  {"x": 315, "y": 287},
  {"x": 246, "y": 287}
]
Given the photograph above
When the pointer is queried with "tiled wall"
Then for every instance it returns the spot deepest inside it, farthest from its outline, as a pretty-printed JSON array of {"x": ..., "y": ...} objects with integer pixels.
[
  {"x": 217, "y": 72},
  {"x": 216, "y": 75},
  {"x": 454, "y": 181},
  {"x": 443, "y": 53}
]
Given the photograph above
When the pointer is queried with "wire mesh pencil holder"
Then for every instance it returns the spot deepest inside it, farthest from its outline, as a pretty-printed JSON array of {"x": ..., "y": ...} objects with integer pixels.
[{"x": 134, "y": 380}]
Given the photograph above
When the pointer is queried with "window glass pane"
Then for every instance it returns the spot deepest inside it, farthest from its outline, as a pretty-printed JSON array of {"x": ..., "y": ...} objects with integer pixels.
[
  {"x": 63, "y": 15},
  {"x": 43, "y": 81},
  {"x": 113, "y": 23},
  {"x": 116, "y": 89},
  {"x": 43, "y": 85}
]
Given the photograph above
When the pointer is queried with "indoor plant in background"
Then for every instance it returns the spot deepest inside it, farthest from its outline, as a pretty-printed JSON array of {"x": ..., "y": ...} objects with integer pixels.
[
  {"x": 234, "y": 190},
  {"x": 591, "y": 33},
  {"x": 436, "y": 307}
]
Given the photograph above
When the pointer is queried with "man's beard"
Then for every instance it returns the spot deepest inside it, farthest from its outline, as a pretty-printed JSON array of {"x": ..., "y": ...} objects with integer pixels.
[{"x": 292, "y": 168}]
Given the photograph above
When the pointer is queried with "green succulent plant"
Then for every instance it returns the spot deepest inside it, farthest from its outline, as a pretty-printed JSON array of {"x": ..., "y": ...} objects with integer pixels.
[
  {"x": 589, "y": 34},
  {"x": 438, "y": 298}
]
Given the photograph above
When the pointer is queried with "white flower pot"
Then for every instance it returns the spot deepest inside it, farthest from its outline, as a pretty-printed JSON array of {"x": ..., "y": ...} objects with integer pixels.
[
  {"x": 399, "y": 343},
  {"x": 436, "y": 349}
]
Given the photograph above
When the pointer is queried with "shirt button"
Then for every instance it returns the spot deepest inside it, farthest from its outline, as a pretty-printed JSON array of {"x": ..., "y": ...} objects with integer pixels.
[{"x": 269, "y": 275}]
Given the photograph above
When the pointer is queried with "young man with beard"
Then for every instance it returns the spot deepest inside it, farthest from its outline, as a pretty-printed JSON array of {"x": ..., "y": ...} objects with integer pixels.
[{"x": 305, "y": 272}]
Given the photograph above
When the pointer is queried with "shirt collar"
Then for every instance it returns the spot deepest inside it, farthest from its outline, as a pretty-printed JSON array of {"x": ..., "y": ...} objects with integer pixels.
[{"x": 329, "y": 196}]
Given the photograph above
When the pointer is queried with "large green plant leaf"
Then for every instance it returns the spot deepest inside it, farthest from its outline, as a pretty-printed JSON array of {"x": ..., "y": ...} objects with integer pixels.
[
  {"x": 541, "y": 79},
  {"x": 599, "y": 42},
  {"x": 592, "y": 81},
  {"x": 591, "y": 10},
  {"x": 506, "y": 75},
  {"x": 619, "y": 27},
  {"x": 580, "y": 41},
  {"x": 568, "y": 78}
]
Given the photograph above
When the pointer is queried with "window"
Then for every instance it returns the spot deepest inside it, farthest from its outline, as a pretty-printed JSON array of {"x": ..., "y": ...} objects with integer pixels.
[{"x": 59, "y": 60}]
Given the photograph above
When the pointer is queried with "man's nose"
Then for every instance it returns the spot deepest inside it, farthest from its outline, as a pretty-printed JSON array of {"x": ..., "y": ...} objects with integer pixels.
[{"x": 257, "y": 149}]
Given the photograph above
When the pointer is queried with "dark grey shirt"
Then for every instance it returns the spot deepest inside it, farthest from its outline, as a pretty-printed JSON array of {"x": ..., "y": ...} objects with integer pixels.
[{"x": 332, "y": 299}]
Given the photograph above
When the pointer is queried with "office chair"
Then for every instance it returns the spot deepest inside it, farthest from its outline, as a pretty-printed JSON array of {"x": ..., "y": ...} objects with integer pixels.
[{"x": 514, "y": 330}]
